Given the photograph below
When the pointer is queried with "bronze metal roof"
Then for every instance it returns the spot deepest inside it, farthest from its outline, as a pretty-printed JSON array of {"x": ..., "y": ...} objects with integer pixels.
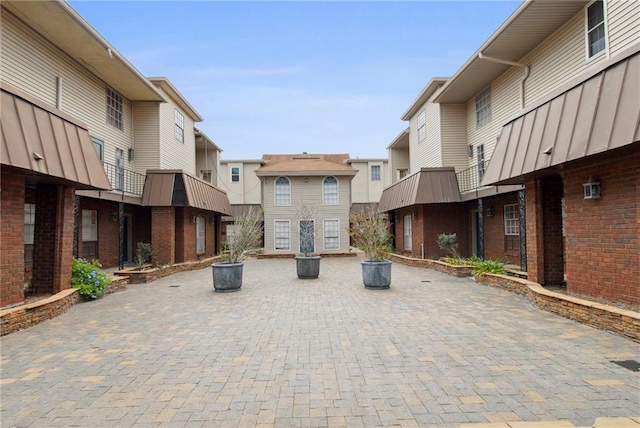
[
  {"x": 165, "y": 188},
  {"x": 427, "y": 186},
  {"x": 601, "y": 113},
  {"x": 306, "y": 164},
  {"x": 46, "y": 143}
]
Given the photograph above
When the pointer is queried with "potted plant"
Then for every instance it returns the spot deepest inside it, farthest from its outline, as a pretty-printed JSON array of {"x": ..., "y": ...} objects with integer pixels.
[
  {"x": 245, "y": 236},
  {"x": 307, "y": 263},
  {"x": 369, "y": 233}
]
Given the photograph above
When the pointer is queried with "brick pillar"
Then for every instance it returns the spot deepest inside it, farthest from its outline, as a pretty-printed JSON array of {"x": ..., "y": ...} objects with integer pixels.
[
  {"x": 535, "y": 251},
  {"x": 180, "y": 249},
  {"x": 553, "y": 239},
  {"x": 53, "y": 238},
  {"x": 163, "y": 235},
  {"x": 12, "y": 238}
]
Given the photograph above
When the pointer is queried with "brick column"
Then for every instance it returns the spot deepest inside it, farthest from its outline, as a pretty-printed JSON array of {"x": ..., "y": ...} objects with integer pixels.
[
  {"x": 552, "y": 226},
  {"x": 535, "y": 249},
  {"x": 12, "y": 228},
  {"x": 163, "y": 235}
]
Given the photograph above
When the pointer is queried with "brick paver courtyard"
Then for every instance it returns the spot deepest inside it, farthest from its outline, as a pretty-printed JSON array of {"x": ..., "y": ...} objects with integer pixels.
[{"x": 433, "y": 350}]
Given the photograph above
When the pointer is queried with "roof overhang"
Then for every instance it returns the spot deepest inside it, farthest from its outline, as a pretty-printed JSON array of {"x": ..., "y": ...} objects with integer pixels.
[
  {"x": 401, "y": 141},
  {"x": 600, "y": 112},
  {"x": 243, "y": 161},
  {"x": 366, "y": 160},
  {"x": 427, "y": 186},
  {"x": 433, "y": 85},
  {"x": 46, "y": 144},
  {"x": 164, "y": 84},
  {"x": 203, "y": 141},
  {"x": 526, "y": 28},
  {"x": 306, "y": 173},
  {"x": 176, "y": 188},
  {"x": 58, "y": 22}
]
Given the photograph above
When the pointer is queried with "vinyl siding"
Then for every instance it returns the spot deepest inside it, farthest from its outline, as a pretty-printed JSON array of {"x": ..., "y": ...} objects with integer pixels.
[
  {"x": 311, "y": 194},
  {"x": 173, "y": 153},
  {"x": 428, "y": 153},
  {"x": 398, "y": 159},
  {"x": 248, "y": 190},
  {"x": 147, "y": 137},
  {"x": 32, "y": 64},
  {"x": 623, "y": 18},
  {"x": 363, "y": 190},
  {"x": 208, "y": 159},
  {"x": 454, "y": 136}
]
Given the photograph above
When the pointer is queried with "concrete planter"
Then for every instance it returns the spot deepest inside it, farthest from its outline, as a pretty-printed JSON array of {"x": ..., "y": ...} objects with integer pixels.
[
  {"x": 376, "y": 275},
  {"x": 227, "y": 276},
  {"x": 308, "y": 267}
]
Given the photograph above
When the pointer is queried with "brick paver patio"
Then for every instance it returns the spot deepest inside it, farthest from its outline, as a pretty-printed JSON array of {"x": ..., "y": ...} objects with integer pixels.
[{"x": 433, "y": 350}]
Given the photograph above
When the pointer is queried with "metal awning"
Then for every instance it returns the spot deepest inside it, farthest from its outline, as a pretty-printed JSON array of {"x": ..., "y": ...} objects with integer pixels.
[
  {"x": 165, "y": 188},
  {"x": 46, "y": 144},
  {"x": 599, "y": 114},
  {"x": 427, "y": 186}
]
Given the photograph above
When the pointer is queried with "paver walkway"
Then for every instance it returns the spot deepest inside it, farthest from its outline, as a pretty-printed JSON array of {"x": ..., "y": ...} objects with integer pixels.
[{"x": 433, "y": 350}]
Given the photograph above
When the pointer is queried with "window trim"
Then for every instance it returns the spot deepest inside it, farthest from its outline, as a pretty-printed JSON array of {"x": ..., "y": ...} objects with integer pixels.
[
  {"x": 201, "y": 226},
  {"x": 115, "y": 104},
  {"x": 178, "y": 119},
  {"x": 324, "y": 194},
  {"x": 98, "y": 143},
  {"x": 231, "y": 168},
  {"x": 275, "y": 192},
  {"x": 422, "y": 125},
  {"x": 373, "y": 176},
  {"x": 407, "y": 244},
  {"x": 483, "y": 104},
  {"x": 324, "y": 233},
  {"x": 511, "y": 219},
  {"x": 587, "y": 31},
  {"x": 275, "y": 234}
]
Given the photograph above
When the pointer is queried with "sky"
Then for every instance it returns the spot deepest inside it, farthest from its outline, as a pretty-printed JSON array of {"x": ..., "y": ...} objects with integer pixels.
[{"x": 297, "y": 76}]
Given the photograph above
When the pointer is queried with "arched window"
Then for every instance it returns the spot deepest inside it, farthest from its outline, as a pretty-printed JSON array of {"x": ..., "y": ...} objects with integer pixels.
[
  {"x": 282, "y": 191},
  {"x": 330, "y": 191}
]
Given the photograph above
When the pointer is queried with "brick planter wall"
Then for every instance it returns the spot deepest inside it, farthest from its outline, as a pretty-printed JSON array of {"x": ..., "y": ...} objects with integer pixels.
[
  {"x": 12, "y": 226},
  {"x": 453, "y": 270}
]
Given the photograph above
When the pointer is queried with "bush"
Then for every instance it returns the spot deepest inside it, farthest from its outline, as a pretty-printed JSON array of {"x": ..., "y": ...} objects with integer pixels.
[
  {"x": 370, "y": 233},
  {"x": 447, "y": 242},
  {"x": 88, "y": 278},
  {"x": 489, "y": 266},
  {"x": 143, "y": 254}
]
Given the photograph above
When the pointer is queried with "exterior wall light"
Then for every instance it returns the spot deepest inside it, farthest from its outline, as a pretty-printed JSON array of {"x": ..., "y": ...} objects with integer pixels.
[
  {"x": 192, "y": 219},
  {"x": 592, "y": 189},
  {"x": 491, "y": 211},
  {"x": 113, "y": 216}
]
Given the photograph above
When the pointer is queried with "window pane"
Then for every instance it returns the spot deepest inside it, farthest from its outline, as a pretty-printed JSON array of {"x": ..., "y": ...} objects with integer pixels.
[
  {"x": 407, "y": 232},
  {"x": 330, "y": 191},
  {"x": 483, "y": 107},
  {"x": 29, "y": 223},
  {"x": 281, "y": 232},
  {"x": 331, "y": 235},
  {"x": 511, "y": 220},
  {"x": 235, "y": 174},
  {"x": 282, "y": 191},
  {"x": 375, "y": 172},
  {"x": 200, "y": 233},
  {"x": 89, "y": 225}
]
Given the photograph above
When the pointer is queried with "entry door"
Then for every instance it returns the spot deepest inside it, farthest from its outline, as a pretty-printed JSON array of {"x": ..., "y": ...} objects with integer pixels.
[{"x": 307, "y": 236}]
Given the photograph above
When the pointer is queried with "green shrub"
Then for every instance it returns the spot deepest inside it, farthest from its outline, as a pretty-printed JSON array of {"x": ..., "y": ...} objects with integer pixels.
[
  {"x": 447, "y": 242},
  {"x": 143, "y": 254},
  {"x": 489, "y": 266},
  {"x": 88, "y": 278}
]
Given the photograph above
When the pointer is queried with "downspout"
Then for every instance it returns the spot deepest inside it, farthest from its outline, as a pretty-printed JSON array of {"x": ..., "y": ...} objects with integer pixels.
[{"x": 512, "y": 63}]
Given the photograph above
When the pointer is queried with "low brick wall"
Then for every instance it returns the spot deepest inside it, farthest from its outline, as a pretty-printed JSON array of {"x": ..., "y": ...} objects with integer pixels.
[
  {"x": 454, "y": 270},
  {"x": 610, "y": 318},
  {"x": 151, "y": 274},
  {"x": 291, "y": 256}
]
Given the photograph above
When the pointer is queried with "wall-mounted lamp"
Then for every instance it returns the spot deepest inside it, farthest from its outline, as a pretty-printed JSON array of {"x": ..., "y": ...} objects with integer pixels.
[
  {"x": 414, "y": 215},
  {"x": 212, "y": 220},
  {"x": 192, "y": 219},
  {"x": 592, "y": 189},
  {"x": 130, "y": 154},
  {"x": 306, "y": 180},
  {"x": 491, "y": 211},
  {"x": 113, "y": 216}
]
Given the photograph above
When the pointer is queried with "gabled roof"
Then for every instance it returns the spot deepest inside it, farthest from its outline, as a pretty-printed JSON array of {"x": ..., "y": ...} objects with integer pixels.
[
  {"x": 58, "y": 22},
  {"x": 526, "y": 28},
  {"x": 164, "y": 84},
  {"x": 433, "y": 85},
  {"x": 306, "y": 164}
]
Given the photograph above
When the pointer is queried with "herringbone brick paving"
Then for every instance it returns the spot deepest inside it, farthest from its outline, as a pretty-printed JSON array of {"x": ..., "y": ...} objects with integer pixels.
[{"x": 433, "y": 350}]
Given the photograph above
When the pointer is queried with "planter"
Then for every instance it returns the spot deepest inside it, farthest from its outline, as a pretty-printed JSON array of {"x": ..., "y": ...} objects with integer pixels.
[
  {"x": 376, "y": 275},
  {"x": 308, "y": 267},
  {"x": 227, "y": 276}
]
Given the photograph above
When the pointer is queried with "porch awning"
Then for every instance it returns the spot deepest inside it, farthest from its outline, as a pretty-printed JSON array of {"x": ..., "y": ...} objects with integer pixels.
[
  {"x": 427, "y": 186},
  {"x": 599, "y": 114},
  {"x": 165, "y": 188},
  {"x": 46, "y": 144}
]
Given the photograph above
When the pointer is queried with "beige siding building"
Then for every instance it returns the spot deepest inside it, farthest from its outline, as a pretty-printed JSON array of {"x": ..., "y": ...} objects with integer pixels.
[{"x": 372, "y": 176}]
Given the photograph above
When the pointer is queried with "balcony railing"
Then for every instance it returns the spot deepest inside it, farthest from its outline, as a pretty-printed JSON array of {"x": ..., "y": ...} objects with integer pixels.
[
  {"x": 124, "y": 180},
  {"x": 469, "y": 179}
]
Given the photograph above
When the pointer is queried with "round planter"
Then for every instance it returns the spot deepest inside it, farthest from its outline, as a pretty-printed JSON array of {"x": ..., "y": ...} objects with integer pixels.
[
  {"x": 376, "y": 275},
  {"x": 308, "y": 267},
  {"x": 227, "y": 276}
]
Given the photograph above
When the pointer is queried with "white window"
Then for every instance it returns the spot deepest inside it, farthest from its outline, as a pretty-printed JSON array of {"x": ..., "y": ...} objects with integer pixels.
[
  {"x": 375, "y": 172},
  {"x": 483, "y": 107},
  {"x": 179, "y": 120},
  {"x": 331, "y": 234},
  {"x": 115, "y": 108},
  {"x": 282, "y": 235},
  {"x": 29, "y": 223},
  {"x": 98, "y": 145},
  {"x": 200, "y": 235},
  {"x": 402, "y": 173},
  {"x": 89, "y": 225},
  {"x": 330, "y": 191},
  {"x": 511, "y": 220},
  {"x": 119, "y": 184},
  {"x": 235, "y": 174},
  {"x": 422, "y": 126},
  {"x": 407, "y": 232},
  {"x": 282, "y": 192},
  {"x": 480, "y": 158},
  {"x": 596, "y": 41},
  {"x": 205, "y": 174}
]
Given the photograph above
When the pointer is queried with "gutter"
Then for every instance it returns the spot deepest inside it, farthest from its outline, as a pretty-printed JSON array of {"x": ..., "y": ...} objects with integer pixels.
[{"x": 514, "y": 64}]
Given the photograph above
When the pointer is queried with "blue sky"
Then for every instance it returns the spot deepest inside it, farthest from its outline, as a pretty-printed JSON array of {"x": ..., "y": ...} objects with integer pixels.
[{"x": 288, "y": 77}]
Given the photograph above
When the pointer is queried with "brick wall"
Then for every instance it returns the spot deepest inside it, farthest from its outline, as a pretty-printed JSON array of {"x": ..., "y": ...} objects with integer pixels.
[
  {"x": 12, "y": 228},
  {"x": 602, "y": 235},
  {"x": 553, "y": 241},
  {"x": 108, "y": 231},
  {"x": 446, "y": 218},
  {"x": 494, "y": 232},
  {"x": 163, "y": 226},
  {"x": 535, "y": 250},
  {"x": 182, "y": 226}
]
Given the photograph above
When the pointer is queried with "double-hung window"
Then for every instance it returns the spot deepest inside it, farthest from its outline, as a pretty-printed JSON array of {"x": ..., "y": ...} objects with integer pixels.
[
  {"x": 407, "y": 235},
  {"x": 200, "y": 234},
  {"x": 29, "y": 232},
  {"x": 331, "y": 234},
  {"x": 481, "y": 165},
  {"x": 375, "y": 172},
  {"x": 115, "y": 109},
  {"x": 282, "y": 235},
  {"x": 422, "y": 126},
  {"x": 235, "y": 174},
  {"x": 596, "y": 38},
  {"x": 89, "y": 234},
  {"x": 282, "y": 192},
  {"x": 512, "y": 227},
  {"x": 179, "y": 121},
  {"x": 330, "y": 191},
  {"x": 119, "y": 178},
  {"x": 483, "y": 107}
]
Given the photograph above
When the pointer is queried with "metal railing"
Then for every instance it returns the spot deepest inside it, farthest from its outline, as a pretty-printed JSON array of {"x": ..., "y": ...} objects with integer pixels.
[
  {"x": 124, "y": 180},
  {"x": 469, "y": 179}
]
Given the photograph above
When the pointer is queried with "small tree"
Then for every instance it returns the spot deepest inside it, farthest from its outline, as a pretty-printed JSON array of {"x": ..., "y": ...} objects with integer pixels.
[
  {"x": 306, "y": 214},
  {"x": 245, "y": 236},
  {"x": 369, "y": 231},
  {"x": 143, "y": 254},
  {"x": 448, "y": 242}
]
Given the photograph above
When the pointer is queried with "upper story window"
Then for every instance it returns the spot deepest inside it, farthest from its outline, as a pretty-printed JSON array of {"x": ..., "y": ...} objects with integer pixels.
[
  {"x": 375, "y": 172},
  {"x": 98, "y": 145},
  {"x": 422, "y": 125},
  {"x": 179, "y": 120},
  {"x": 330, "y": 191},
  {"x": 596, "y": 42},
  {"x": 119, "y": 172},
  {"x": 282, "y": 192},
  {"x": 481, "y": 163},
  {"x": 483, "y": 107},
  {"x": 115, "y": 109},
  {"x": 235, "y": 174}
]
